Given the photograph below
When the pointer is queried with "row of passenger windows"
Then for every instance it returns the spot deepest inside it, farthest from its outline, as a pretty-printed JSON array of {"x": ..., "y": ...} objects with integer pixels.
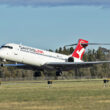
[{"x": 10, "y": 47}]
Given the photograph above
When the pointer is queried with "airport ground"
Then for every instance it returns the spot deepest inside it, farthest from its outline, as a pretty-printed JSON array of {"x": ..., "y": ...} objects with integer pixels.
[{"x": 61, "y": 95}]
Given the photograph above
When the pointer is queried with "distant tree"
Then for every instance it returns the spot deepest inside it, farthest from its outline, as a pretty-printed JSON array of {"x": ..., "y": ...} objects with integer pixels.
[
  {"x": 50, "y": 50},
  {"x": 56, "y": 51},
  {"x": 100, "y": 54},
  {"x": 60, "y": 50},
  {"x": 71, "y": 49}
]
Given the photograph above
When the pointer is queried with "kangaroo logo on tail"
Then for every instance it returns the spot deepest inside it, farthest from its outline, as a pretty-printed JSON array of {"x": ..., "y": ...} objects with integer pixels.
[{"x": 80, "y": 49}]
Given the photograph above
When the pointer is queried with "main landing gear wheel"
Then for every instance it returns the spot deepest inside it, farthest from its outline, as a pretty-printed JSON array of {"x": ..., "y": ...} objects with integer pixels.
[{"x": 59, "y": 73}]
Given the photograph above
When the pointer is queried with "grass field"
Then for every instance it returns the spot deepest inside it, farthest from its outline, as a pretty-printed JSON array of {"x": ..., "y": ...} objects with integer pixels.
[{"x": 62, "y": 95}]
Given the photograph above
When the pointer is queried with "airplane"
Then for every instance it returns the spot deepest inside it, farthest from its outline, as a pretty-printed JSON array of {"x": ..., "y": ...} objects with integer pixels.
[{"x": 38, "y": 59}]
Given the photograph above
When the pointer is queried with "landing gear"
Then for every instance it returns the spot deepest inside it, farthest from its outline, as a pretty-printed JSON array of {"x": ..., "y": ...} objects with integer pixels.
[
  {"x": 37, "y": 74},
  {"x": 2, "y": 62},
  {"x": 2, "y": 65},
  {"x": 59, "y": 73}
]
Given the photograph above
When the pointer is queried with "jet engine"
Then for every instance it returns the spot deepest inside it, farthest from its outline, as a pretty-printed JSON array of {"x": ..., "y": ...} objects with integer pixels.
[{"x": 70, "y": 59}]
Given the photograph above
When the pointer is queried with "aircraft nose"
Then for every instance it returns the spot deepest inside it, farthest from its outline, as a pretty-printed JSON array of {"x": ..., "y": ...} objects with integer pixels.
[{"x": 2, "y": 54}]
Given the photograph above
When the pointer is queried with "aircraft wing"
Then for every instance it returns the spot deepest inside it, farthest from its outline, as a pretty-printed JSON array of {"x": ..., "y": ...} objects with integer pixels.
[
  {"x": 72, "y": 65},
  {"x": 57, "y": 65}
]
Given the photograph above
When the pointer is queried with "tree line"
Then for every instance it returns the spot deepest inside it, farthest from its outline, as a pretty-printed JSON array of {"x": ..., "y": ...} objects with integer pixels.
[{"x": 100, "y": 70}]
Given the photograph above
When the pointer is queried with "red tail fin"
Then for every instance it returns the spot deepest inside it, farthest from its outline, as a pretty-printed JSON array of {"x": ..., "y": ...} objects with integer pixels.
[{"x": 80, "y": 49}]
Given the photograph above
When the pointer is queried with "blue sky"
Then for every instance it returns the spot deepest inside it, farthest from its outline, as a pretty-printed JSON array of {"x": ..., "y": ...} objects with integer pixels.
[{"x": 49, "y": 25}]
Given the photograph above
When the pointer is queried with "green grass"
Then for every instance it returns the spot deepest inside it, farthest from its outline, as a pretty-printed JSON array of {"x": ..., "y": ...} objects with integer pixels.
[{"x": 62, "y": 95}]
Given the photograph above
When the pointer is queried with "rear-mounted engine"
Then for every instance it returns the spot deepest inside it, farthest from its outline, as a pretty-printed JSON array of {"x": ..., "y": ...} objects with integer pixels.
[{"x": 70, "y": 59}]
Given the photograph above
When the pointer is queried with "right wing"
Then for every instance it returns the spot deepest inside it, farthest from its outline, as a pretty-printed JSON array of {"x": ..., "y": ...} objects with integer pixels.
[{"x": 72, "y": 65}]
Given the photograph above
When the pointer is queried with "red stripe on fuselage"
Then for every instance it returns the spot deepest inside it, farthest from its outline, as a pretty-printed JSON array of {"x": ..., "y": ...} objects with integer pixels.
[{"x": 39, "y": 51}]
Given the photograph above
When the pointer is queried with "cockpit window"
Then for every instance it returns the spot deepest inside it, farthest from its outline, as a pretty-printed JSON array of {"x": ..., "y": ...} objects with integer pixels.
[{"x": 10, "y": 47}]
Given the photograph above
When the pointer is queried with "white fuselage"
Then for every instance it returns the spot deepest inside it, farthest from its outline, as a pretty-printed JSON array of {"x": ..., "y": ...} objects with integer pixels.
[{"x": 29, "y": 55}]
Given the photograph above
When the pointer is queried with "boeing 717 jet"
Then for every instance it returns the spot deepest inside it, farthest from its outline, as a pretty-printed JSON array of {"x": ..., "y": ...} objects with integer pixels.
[{"x": 33, "y": 58}]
